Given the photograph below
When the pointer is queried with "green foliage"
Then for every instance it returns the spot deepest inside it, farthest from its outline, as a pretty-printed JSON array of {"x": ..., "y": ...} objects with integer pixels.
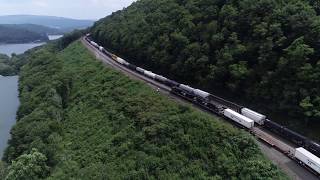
[
  {"x": 28, "y": 166},
  {"x": 23, "y": 33},
  {"x": 264, "y": 52},
  {"x": 92, "y": 122},
  {"x": 5, "y": 66},
  {"x": 3, "y": 170}
]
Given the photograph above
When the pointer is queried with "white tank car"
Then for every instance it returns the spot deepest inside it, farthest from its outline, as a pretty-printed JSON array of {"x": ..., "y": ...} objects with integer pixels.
[
  {"x": 257, "y": 117},
  {"x": 139, "y": 69},
  {"x": 101, "y": 48},
  {"x": 238, "y": 118},
  {"x": 122, "y": 61},
  {"x": 186, "y": 88},
  {"x": 308, "y": 159},
  {"x": 161, "y": 78},
  {"x": 201, "y": 93},
  {"x": 94, "y": 44},
  {"x": 150, "y": 74}
]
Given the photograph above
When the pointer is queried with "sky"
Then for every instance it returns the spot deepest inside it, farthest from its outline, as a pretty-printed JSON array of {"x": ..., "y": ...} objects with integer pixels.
[{"x": 77, "y": 9}]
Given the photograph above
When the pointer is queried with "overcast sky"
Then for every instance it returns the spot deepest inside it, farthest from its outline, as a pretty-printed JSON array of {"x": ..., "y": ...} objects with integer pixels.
[{"x": 78, "y": 9}]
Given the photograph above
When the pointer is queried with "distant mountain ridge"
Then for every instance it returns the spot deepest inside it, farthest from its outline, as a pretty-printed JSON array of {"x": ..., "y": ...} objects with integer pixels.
[
  {"x": 34, "y": 28},
  {"x": 61, "y": 23},
  {"x": 24, "y": 33}
]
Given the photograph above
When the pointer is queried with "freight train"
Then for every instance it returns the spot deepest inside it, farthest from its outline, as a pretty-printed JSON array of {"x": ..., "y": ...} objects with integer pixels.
[{"x": 308, "y": 152}]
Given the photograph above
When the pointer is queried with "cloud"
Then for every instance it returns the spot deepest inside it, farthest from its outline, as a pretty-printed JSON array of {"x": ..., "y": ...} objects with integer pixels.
[
  {"x": 80, "y": 9},
  {"x": 40, "y": 3}
]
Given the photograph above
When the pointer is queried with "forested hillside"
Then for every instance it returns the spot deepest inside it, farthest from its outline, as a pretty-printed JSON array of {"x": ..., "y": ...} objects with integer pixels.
[
  {"x": 81, "y": 120},
  {"x": 23, "y": 33},
  {"x": 262, "y": 53},
  {"x": 5, "y": 68},
  {"x": 35, "y": 28}
]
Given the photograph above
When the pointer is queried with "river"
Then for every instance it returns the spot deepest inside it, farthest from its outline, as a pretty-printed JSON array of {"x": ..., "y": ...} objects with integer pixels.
[
  {"x": 9, "y": 103},
  {"x": 8, "y": 49},
  {"x": 9, "y": 96}
]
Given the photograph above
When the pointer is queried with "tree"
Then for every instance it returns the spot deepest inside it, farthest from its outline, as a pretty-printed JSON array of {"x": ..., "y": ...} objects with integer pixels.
[{"x": 28, "y": 166}]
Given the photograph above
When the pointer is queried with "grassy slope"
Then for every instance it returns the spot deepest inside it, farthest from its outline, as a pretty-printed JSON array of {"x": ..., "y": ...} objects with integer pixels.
[
  {"x": 92, "y": 122},
  {"x": 117, "y": 127}
]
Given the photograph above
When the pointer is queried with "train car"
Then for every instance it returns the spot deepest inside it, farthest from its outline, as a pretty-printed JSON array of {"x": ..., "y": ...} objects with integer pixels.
[
  {"x": 161, "y": 78},
  {"x": 172, "y": 83},
  {"x": 150, "y": 74},
  {"x": 313, "y": 147},
  {"x": 101, "y": 48},
  {"x": 288, "y": 134},
  {"x": 132, "y": 67},
  {"x": 238, "y": 118},
  {"x": 257, "y": 117},
  {"x": 140, "y": 70},
  {"x": 273, "y": 127},
  {"x": 94, "y": 44},
  {"x": 225, "y": 103},
  {"x": 122, "y": 61},
  {"x": 183, "y": 92},
  {"x": 186, "y": 88},
  {"x": 294, "y": 137},
  {"x": 201, "y": 93},
  {"x": 107, "y": 53},
  {"x": 308, "y": 159}
]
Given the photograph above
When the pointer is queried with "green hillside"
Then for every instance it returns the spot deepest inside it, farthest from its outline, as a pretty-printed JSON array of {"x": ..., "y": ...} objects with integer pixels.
[
  {"x": 35, "y": 28},
  {"x": 262, "y": 53},
  {"x": 81, "y": 120},
  {"x": 25, "y": 33}
]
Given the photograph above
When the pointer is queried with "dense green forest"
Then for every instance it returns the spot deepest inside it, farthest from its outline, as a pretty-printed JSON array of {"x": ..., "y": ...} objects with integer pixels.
[
  {"x": 6, "y": 68},
  {"x": 261, "y": 53},
  {"x": 35, "y": 28},
  {"x": 81, "y": 120},
  {"x": 24, "y": 33}
]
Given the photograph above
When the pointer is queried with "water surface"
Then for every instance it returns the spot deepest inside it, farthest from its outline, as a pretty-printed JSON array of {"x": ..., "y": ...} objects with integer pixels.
[
  {"x": 8, "y": 49},
  {"x": 9, "y": 103}
]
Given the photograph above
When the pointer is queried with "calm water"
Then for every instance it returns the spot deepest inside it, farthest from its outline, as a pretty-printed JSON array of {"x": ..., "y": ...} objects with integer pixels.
[
  {"x": 8, "y": 49},
  {"x": 9, "y": 103}
]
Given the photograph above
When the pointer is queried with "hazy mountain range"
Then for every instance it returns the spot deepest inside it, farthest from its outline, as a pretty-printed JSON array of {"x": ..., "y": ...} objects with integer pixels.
[
  {"x": 31, "y": 28},
  {"x": 63, "y": 24}
]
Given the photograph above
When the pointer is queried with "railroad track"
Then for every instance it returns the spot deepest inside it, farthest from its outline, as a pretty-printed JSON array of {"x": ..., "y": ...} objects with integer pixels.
[{"x": 268, "y": 138}]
